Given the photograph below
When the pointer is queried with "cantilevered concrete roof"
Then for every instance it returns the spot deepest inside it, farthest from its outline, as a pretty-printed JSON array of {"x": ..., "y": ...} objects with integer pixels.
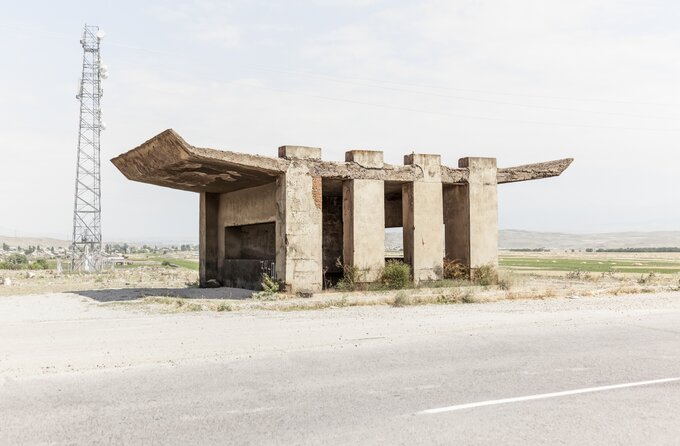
[{"x": 167, "y": 160}]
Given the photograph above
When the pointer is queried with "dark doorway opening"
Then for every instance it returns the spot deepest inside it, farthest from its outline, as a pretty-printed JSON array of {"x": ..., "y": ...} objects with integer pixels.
[
  {"x": 394, "y": 221},
  {"x": 249, "y": 252},
  {"x": 332, "y": 232}
]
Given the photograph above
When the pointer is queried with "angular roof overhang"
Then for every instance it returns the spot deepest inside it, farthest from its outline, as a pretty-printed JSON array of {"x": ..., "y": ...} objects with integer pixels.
[
  {"x": 535, "y": 171},
  {"x": 167, "y": 160}
]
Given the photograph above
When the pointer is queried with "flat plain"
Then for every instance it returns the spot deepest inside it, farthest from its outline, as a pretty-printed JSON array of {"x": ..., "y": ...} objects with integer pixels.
[{"x": 596, "y": 262}]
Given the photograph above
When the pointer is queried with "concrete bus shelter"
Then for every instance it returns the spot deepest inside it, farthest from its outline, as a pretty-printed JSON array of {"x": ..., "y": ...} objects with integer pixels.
[{"x": 299, "y": 218}]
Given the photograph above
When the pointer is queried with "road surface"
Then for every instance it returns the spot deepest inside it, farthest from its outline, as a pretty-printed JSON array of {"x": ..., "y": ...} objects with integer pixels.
[{"x": 560, "y": 371}]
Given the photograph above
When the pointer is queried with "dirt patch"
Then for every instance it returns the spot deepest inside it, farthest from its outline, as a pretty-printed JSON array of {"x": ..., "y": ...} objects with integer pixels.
[
  {"x": 145, "y": 277},
  {"x": 165, "y": 289}
]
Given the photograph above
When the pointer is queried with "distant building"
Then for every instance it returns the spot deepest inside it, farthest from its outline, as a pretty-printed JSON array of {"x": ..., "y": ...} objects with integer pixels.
[{"x": 118, "y": 260}]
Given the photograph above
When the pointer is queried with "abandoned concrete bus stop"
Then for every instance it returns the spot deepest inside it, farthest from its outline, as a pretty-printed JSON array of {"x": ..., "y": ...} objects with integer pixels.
[{"x": 294, "y": 216}]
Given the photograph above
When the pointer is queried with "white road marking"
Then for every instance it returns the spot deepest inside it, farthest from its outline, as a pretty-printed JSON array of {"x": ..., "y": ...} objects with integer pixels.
[{"x": 544, "y": 396}]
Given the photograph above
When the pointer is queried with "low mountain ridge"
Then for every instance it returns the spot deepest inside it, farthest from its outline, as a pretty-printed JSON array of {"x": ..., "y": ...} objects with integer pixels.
[
  {"x": 518, "y": 239},
  {"x": 508, "y": 239}
]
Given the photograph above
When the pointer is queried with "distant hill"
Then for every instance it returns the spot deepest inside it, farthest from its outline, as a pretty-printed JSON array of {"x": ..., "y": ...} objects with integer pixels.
[
  {"x": 49, "y": 242},
  {"x": 515, "y": 239},
  {"x": 34, "y": 241},
  {"x": 508, "y": 239}
]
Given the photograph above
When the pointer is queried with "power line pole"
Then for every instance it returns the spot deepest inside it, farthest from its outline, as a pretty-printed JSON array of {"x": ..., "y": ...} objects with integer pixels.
[{"x": 87, "y": 236}]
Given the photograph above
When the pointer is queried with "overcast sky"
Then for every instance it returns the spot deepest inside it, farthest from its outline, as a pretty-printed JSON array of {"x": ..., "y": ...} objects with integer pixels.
[{"x": 523, "y": 81}]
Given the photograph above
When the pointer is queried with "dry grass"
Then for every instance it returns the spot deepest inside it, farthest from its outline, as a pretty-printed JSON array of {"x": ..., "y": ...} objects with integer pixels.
[
  {"x": 223, "y": 306},
  {"x": 169, "y": 304},
  {"x": 532, "y": 294},
  {"x": 631, "y": 289},
  {"x": 508, "y": 280},
  {"x": 511, "y": 286},
  {"x": 172, "y": 304}
]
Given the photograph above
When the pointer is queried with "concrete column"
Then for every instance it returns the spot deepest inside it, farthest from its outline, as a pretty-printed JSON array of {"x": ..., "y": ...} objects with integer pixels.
[
  {"x": 363, "y": 215},
  {"x": 423, "y": 219},
  {"x": 299, "y": 259},
  {"x": 208, "y": 238},
  {"x": 471, "y": 215}
]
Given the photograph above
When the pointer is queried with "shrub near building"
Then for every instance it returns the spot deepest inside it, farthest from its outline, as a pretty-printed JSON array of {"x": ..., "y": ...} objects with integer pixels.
[{"x": 396, "y": 275}]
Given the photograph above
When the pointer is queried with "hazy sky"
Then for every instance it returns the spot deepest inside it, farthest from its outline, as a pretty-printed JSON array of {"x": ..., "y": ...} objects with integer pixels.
[{"x": 523, "y": 81}]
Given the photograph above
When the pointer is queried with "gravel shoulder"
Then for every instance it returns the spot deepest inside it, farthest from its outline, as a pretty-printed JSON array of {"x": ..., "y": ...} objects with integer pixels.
[{"x": 58, "y": 333}]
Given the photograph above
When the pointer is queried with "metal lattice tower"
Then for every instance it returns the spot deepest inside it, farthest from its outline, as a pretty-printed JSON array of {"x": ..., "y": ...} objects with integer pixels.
[{"x": 87, "y": 236}]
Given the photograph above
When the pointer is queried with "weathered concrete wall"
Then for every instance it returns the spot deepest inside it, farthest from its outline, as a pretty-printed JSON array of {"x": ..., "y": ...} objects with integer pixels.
[
  {"x": 472, "y": 215},
  {"x": 245, "y": 207},
  {"x": 288, "y": 191},
  {"x": 369, "y": 159},
  {"x": 208, "y": 238},
  {"x": 299, "y": 258},
  {"x": 300, "y": 153},
  {"x": 363, "y": 208},
  {"x": 252, "y": 242},
  {"x": 423, "y": 219},
  {"x": 332, "y": 234}
]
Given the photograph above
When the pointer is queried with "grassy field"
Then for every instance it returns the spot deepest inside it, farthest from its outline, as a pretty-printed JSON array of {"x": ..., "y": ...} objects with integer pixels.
[
  {"x": 518, "y": 262},
  {"x": 139, "y": 260},
  {"x": 638, "y": 263},
  {"x": 182, "y": 263}
]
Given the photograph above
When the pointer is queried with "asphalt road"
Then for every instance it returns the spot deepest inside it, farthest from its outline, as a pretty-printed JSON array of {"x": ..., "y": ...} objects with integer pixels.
[{"x": 381, "y": 383}]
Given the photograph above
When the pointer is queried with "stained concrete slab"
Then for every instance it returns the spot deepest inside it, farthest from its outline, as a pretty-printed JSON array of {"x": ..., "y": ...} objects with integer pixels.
[{"x": 288, "y": 190}]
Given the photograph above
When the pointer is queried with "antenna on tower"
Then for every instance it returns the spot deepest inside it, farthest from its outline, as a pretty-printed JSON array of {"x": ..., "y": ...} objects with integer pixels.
[{"x": 87, "y": 237}]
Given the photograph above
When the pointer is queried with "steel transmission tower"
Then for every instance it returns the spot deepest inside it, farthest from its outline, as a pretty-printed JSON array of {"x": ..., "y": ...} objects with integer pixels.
[{"x": 87, "y": 235}]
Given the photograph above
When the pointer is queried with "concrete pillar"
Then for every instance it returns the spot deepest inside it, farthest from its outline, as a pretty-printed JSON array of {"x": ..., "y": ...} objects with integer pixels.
[
  {"x": 299, "y": 256},
  {"x": 423, "y": 219},
  {"x": 471, "y": 215},
  {"x": 208, "y": 238},
  {"x": 363, "y": 215}
]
